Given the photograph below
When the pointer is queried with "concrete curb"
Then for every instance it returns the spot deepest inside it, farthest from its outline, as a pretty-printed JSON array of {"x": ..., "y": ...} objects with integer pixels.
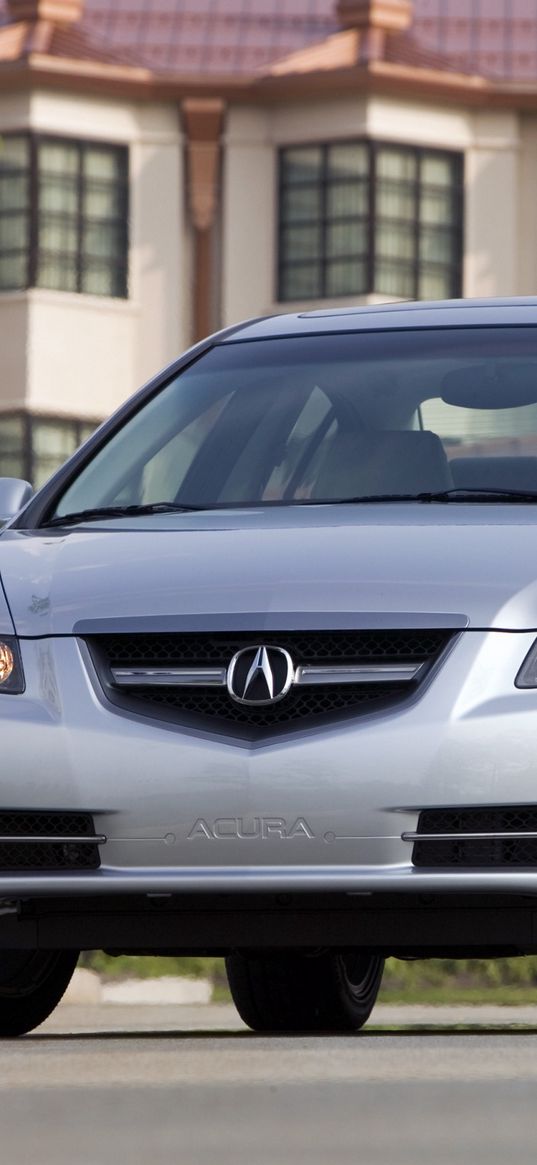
[{"x": 86, "y": 987}]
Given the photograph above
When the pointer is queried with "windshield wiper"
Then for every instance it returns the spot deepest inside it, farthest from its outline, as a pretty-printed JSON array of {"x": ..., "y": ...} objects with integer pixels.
[
  {"x": 93, "y": 515},
  {"x": 472, "y": 494},
  {"x": 475, "y": 494}
]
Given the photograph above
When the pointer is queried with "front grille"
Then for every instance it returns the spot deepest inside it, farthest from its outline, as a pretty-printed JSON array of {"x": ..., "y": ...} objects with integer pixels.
[
  {"x": 477, "y": 852},
  {"x": 297, "y": 705},
  {"x": 306, "y": 647},
  {"x": 50, "y": 854},
  {"x": 214, "y": 707}
]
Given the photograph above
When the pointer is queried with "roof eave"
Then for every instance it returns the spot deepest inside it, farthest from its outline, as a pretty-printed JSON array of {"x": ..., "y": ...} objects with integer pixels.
[
  {"x": 139, "y": 83},
  {"x": 99, "y": 78},
  {"x": 396, "y": 79}
]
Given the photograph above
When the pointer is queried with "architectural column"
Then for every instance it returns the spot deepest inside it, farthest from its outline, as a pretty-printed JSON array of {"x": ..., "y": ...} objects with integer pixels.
[
  {"x": 492, "y": 201},
  {"x": 203, "y": 121},
  {"x": 58, "y": 11},
  {"x": 374, "y": 21},
  {"x": 390, "y": 15}
]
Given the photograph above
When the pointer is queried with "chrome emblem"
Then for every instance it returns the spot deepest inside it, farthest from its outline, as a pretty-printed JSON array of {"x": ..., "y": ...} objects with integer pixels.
[{"x": 260, "y": 675}]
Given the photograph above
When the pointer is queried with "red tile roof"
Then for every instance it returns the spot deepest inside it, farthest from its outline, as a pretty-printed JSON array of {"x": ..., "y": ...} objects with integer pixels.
[
  {"x": 496, "y": 38},
  {"x": 20, "y": 40}
]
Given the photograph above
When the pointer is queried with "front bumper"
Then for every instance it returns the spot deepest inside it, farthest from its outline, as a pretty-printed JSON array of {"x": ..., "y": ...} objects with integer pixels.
[
  {"x": 228, "y": 880},
  {"x": 322, "y": 810},
  {"x": 417, "y": 925}
]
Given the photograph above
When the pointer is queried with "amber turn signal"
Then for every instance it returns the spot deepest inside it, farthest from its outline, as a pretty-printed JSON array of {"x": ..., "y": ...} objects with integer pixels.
[{"x": 7, "y": 662}]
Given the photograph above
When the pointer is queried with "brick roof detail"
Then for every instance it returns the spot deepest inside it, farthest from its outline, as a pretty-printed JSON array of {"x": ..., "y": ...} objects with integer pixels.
[
  {"x": 496, "y": 39},
  {"x": 20, "y": 41},
  {"x": 351, "y": 48}
]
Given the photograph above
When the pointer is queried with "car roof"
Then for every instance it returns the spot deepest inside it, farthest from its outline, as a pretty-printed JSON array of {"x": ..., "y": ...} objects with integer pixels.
[{"x": 447, "y": 313}]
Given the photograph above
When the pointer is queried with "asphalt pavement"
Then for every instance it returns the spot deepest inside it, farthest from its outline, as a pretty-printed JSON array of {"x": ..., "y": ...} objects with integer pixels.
[{"x": 156, "y": 1085}]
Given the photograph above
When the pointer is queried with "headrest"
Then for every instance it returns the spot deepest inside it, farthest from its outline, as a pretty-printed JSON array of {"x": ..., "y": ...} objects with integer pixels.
[
  {"x": 383, "y": 461},
  {"x": 495, "y": 472}
]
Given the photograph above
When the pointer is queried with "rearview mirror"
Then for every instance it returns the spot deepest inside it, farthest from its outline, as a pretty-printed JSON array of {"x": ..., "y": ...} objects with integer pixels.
[
  {"x": 491, "y": 385},
  {"x": 14, "y": 494}
]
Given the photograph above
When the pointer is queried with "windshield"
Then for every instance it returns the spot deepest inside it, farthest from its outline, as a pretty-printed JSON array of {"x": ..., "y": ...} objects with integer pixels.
[{"x": 328, "y": 417}]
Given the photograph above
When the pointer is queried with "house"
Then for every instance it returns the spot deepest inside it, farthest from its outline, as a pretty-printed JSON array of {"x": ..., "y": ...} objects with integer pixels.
[{"x": 172, "y": 166}]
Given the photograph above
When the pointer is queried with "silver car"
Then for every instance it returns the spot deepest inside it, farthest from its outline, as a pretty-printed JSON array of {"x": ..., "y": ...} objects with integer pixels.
[{"x": 268, "y": 666}]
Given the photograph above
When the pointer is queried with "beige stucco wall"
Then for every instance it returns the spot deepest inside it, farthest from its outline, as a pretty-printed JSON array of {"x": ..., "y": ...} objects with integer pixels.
[
  {"x": 496, "y": 260},
  {"x": 14, "y": 347},
  {"x": 491, "y": 219},
  {"x": 83, "y": 355},
  {"x": 248, "y": 214},
  {"x": 14, "y": 114},
  {"x": 527, "y": 206}
]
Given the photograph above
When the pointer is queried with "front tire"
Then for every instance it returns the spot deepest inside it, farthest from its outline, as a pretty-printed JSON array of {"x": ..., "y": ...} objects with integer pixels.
[
  {"x": 291, "y": 992},
  {"x": 31, "y": 985}
]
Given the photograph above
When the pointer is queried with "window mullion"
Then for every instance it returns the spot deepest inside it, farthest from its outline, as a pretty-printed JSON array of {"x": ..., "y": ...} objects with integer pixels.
[
  {"x": 372, "y": 211},
  {"x": 281, "y": 228},
  {"x": 34, "y": 210},
  {"x": 458, "y": 233},
  {"x": 324, "y": 218},
  {"x": 80, "y": 219},
  {"x": 417, "y": 223},
  {"x": 28, "y": 450}
]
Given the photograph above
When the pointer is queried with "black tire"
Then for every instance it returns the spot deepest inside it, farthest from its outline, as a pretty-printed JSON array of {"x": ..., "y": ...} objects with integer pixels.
[
  {"x": 290, "y": 992},
  {"x": 31, "y": 985}
]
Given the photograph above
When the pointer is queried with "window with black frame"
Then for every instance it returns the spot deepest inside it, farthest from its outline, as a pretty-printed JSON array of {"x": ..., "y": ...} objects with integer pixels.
[
  {"x": 361, "y": 217},
  {"x": 63, "y": 215}
]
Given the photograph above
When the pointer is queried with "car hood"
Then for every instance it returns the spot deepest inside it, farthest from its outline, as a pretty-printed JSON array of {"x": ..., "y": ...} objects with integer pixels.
[{"x": 257, "y": 569}]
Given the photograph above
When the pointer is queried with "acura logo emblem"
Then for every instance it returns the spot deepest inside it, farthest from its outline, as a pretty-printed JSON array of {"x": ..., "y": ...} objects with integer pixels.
[{"x": 260, "y": 675}]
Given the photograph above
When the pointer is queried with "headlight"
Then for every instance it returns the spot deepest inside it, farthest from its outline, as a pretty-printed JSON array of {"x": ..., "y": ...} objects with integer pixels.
[{"x": 11, "y": 673}]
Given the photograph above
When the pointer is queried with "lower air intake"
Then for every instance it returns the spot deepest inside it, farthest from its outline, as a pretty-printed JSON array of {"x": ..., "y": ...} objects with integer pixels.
[
  {"x": 54, "y": 850},
  {"x": 498, "y": 852}
]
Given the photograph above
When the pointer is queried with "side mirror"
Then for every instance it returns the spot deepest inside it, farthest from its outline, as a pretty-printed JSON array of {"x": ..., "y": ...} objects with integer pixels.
[{"x": 14, "y": 494}]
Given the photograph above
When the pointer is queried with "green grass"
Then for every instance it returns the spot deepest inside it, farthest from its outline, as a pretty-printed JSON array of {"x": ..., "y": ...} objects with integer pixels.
[
  {"x": 112, "y": 967},
  {"x": 451, "y": 981},
  {"x": 451, "y": 995}
]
